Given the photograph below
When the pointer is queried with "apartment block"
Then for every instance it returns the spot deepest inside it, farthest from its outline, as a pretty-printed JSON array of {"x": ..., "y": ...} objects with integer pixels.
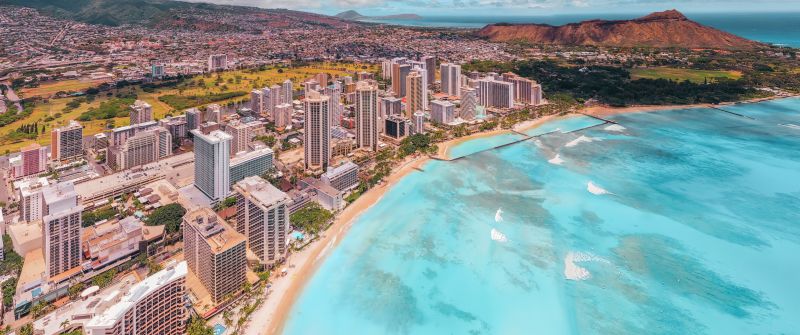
[{"x": 262, "y": 216}]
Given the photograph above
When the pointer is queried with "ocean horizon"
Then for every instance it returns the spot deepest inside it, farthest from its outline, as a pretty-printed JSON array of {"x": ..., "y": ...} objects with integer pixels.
[
  {"x": 679, "y": 221},
  {"x": 776, "y": 28}
]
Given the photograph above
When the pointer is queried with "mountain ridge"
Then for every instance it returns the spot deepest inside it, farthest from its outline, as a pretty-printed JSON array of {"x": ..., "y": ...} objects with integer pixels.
[
  {"x": 356, "y": 16},
  {"x": 660, "y": 29}
]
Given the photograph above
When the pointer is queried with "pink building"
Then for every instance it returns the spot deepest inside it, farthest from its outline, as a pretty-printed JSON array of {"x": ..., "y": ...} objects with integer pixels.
[{"x": 33, "y": 160}]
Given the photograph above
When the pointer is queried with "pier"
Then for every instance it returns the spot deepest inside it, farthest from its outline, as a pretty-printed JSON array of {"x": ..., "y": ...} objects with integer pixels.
[{"x": 732, "y": 113}]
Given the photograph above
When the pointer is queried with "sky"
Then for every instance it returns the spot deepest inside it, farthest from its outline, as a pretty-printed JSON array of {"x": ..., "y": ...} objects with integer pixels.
[{"x": 517, "y": 7}]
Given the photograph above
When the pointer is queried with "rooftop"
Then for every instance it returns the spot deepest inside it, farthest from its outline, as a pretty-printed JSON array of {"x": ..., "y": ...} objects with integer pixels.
[
  {"x": 218, "y": 234},
  {"x": 342, "y": 168},
  {"x": 147, "y": 286},
  {"x": 260, "y": 190}
]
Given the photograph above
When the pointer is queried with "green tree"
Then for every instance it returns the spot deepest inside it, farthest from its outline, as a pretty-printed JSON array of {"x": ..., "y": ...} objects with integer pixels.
[
  {"x": 311, "y": 218},
  {"x": 27, "y": 329},
  {"x": 197, "y": 326},
  {"x": 169, "y": 215}
]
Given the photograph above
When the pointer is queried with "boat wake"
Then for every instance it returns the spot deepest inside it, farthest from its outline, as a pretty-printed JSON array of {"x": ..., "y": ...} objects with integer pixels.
[
  {"x": 596, "y": 190},
  {"x": 498, "y": 236},
  {"x": 581, "y": 139},
  {"x": 498, "y": 216},
  {"x": 615, "y": 128},
  {"x": 556, "y": 160},
  {"x": 573, "y": 271}
]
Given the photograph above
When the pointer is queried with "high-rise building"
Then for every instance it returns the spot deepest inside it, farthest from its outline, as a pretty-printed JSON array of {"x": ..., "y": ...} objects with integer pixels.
[
  {"x": 213, "y": 113},
  {"x": 212, "y": 163},
  {"x": 34, "y": 161},
  {"x": 121, "y": 134},
  {"x": 367, "y": 115},
  {"x": 287, "y": 91},
  {"x": 268, "y": 101},
  {"x": 317, "y": 135},
  {"x": 386, "y": 70},
  {"x": 337, "y": 108},
  {"x": 416, "y": 92},
  {"x": 242, "y": 134},
  {"x": 66, "y": 143},
  {"x": 343, "y": 177},
  {"x": 257, "y": 102},
  {"x": 61, "y": 228},
  {"x": 399, "y": 74},
  {"x": 430, "y": 68},
  {"x": 396, "y": 126},
  {"x": 141, "y": 112},
  {"x": 157, "y": 71},
  {"x": 156, "y": 305},
  {"x": 525, "y": 90},
  {"x": 283, "y": 115},
  {"x": 217, "y": 63},
  {"x": 176, "y": 126},
  {"x": 143, "y": 148},
  {"x": 262, "y": 216},
  {"x": 276, "y": 96},
  {"x": 495, "y": 93},
  {"x": 31, "y": 199},
  {"x": 536, "y": 94},
  {"x": 193, "y": 119},
  {"x": 100, "y": 142},
  {"x": 253, "y": 163},
  {"x": 451, "y": 79},
  {"x": 469, "y": 104},
  {"x": 419, "y": 122},
  {"x": 215, "y": 253},
  {"x": 310, "y": 85},
  {"x": 391, "y": 106},
  {"x": 442, "y": 112}
]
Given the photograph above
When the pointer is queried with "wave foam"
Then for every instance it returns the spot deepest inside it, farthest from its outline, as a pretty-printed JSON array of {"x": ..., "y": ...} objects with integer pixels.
[
  {"x": 498, "y": 215},
  {"x": 573, "y": 271},
  {"x": 615, "y": 127},
  {"x": 596, "y": 190},
  {"x": 556, "y": 160},
  {"x": 581, "y": 139},
  {"x": 498, "y": 236},
  {"x": 791, "y": 125}
]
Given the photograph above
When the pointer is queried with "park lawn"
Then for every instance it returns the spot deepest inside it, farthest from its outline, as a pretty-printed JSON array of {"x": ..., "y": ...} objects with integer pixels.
[
  {"x": 677, "y": 74},
  {"x": 53, "y": 106},
  {"x": 47, "y": 89}
]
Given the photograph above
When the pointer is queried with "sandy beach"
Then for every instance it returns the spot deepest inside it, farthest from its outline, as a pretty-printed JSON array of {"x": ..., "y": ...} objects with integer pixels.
[
  {"x": 271, "y": 316},
  {"x": 444, "y": 147}
]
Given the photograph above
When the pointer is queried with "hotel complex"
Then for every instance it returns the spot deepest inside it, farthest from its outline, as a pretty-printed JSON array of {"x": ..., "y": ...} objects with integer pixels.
[
  {"x": 156, "y": 305},
  {"x": 215, "y": 253},
  {"x": 262, "y": 216}
]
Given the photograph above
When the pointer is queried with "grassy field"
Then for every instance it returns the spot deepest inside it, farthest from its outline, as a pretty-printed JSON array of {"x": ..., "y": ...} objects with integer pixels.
[
  {"x": 45, "y": 90},
  {"x": 697, "y": 76},
  {"x": 240, "y": 80}
]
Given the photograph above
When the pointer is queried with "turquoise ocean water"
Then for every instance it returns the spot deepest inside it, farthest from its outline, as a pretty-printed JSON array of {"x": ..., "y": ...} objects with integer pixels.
[
  {"x": 781, "y": 28},
  {"x": 672, "y": 222}
]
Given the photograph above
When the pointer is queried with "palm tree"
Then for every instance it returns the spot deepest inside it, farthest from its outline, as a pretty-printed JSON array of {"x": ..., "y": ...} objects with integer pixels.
[
  {"x": 64, "y": 324},
  {"x": 226, "y": 317}
]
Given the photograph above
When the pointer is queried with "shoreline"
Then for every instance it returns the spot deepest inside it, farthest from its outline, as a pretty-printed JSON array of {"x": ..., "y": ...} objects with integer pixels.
[
  {"x": 605, "y": 110},
  {"x": 306, "y": 262},
  {"x": 273, "y": 314},
  {"x": 444, "y": 147}
]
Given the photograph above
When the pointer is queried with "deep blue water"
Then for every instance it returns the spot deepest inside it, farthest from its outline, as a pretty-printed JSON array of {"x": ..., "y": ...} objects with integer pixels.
[
  {"x": 778, "y": 28},
  {"x": 672, "y": 222}
]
